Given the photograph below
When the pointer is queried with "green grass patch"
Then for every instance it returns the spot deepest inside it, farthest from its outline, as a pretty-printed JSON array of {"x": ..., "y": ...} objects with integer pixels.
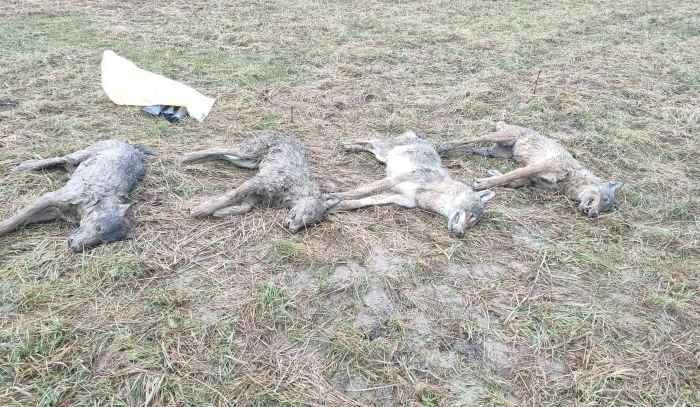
[
  {"x": 23, "y": 35},
  {"x": 274, "y": 302}
]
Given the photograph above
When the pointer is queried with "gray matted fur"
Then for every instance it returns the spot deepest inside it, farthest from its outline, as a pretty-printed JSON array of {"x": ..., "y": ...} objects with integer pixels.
[
  {"x": 283, "y": 180},
  {"x": 102, "y": 177}
]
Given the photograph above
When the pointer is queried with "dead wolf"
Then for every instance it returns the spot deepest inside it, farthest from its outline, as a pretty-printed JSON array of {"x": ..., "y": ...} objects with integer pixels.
[
  {"x": 102, "y": 177},
  {"x": 283, "y": 180},
  {"x": 548, "y": 166},
  {"x": 417, "y": 179}
]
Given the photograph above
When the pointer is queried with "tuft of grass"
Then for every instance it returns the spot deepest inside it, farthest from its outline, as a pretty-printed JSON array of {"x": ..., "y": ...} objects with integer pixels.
[
  {"x": 286, "y": 251},
  {"x": 685, "y": 210},
  {"x": 49, "y": 340},
  {"x": 274, "y": 302},
  {"x": 429, "y": 399}
]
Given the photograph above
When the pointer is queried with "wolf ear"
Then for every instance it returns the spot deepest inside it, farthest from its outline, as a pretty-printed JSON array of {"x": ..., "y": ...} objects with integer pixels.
[
  {"x": 486, "y": 195},
  {"x": 615, "y": 185}
]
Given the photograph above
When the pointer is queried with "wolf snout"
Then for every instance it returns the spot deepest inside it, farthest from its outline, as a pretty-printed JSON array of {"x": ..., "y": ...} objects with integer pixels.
[
  {"x": 75, "y": 245},
  {"x": 588, "y": 209}
]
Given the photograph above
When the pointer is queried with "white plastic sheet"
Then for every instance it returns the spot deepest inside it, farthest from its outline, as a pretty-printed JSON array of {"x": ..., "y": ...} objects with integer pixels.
[{"x": 127, "y": 84}]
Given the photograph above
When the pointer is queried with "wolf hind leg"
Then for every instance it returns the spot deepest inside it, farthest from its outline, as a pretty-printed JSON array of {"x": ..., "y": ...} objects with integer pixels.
[
  {"x": 495, "y": 151},
  {"x": 504, "y": 138}
]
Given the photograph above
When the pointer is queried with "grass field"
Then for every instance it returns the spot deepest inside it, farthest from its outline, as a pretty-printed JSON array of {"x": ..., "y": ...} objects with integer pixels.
[{"x": 536, "y": 306}]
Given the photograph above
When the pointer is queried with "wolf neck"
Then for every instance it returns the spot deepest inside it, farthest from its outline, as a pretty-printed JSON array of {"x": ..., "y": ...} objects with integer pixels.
[
  {"x": 579, "y": 179},
  {"x": 103, "y": 204},
  {"x": 439, "y": 198}
]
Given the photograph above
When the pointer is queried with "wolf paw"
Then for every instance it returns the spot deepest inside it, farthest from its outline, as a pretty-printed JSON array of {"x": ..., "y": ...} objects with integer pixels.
[{"x": 481, "y": 183}]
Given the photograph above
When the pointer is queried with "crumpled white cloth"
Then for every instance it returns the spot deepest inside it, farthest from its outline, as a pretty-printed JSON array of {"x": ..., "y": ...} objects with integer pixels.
[{"x": 127, "y": 84}]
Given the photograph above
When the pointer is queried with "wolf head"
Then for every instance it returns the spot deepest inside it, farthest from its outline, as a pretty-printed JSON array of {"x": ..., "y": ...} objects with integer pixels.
[
  {"x": 309, "y": 211},
  {"x": 597, "y": 198},
  {"x": 104, "y": 224},
  {"x": 466, "y": 209}
]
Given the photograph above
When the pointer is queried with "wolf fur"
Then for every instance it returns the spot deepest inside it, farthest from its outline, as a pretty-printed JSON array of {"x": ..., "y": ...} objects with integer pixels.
[
  {"x": 95, "y": 196},
  {"x": 548, "y": 166},
  {"x": 419, "y": 180}
]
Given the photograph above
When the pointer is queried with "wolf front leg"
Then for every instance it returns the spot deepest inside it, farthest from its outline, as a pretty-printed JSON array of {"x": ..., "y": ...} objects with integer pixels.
[
  {"x": 44, "y": 209},
  {"x": 373, "y": 188},
  {"x": 231, "y": 198},
  {"x": 245, "y": 207},
  {"x": 376, "y": 200},
  {"x": 516, "y": 176},
  {"x": 514, "y": 184}
]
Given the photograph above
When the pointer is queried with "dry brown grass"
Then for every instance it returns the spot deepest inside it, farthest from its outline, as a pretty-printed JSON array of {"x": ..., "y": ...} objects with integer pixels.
[{"x": 536, "y": 306}]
